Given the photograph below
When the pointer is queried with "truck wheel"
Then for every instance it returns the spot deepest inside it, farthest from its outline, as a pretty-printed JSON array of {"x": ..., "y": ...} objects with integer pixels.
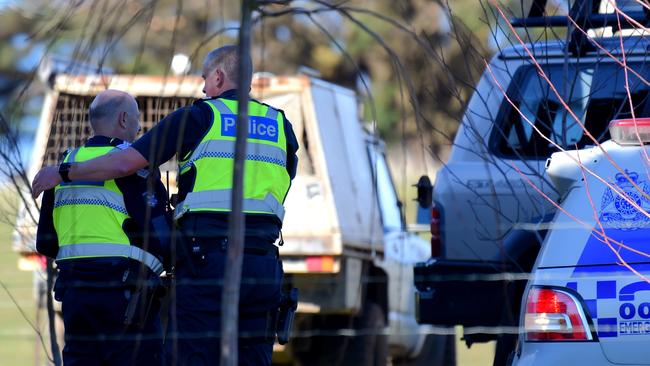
[
  {"x": 438, "y": 350},
  {"x": 503, "y": 354},
  {"x": 507, "y": 342},
  {"x": 325, "y": 346},
  {"x": 370, "y": 346}
]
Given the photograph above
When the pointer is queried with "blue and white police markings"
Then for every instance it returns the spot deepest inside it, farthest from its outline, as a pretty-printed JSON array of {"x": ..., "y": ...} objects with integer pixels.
[
  {"x": 616, "y": 313},
  {"x": 622, "y": 223},
  {"x": 260, "y": 128},
  {"x": 634, "y": 317},
  {"x": 617, "y": 212},
  {"x": 626, "y": 311}
]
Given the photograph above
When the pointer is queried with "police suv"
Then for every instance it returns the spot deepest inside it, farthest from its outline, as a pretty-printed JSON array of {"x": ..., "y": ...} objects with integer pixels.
[
  {"x": 588, "y": 301},
  {"x": 493, "y": 200}
]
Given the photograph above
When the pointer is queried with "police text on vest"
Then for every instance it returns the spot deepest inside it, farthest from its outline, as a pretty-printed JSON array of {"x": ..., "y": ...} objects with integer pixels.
[{"x": 260, "y": 128}]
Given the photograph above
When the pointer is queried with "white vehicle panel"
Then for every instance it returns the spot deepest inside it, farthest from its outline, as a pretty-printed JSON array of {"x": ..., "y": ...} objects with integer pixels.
[
  {"x": 346, "y": 166},
  {"x": 568, "y": 354},
  {"x": 576, "y": 237}
]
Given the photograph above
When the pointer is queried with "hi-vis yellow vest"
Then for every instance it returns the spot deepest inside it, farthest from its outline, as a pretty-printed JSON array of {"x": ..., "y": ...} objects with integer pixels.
[
  {"x": 88, "y": 217},
  {"x": 266, "y": 180}
]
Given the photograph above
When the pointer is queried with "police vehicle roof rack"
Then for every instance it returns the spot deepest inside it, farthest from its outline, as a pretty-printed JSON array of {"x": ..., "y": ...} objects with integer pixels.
[{"x": 585, "y": 14}]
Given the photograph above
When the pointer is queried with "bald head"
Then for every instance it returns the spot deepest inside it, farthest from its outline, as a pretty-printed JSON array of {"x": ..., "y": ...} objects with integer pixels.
[
  {"x": 114, "y": 113},
  {"x": 223, "y": 64}
]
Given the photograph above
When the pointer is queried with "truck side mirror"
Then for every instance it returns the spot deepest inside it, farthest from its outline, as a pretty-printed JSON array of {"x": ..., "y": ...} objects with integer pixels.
[
  {"x": 425, "y": 192},
  {"x": 425, "y": 200}
]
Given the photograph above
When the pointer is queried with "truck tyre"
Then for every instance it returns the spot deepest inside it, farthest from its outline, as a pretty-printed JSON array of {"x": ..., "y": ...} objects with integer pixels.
[
  {"x": 369, "y": 347},
  {"x": 507, "y": 342},
  {"x": 325, "y": 345},
  {"x": 505, "y": 349},
  {"x": 438, "y": 350}
]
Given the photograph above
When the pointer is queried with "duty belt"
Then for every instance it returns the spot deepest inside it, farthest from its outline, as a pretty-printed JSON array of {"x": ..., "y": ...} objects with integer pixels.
[
  {"x": 216, "y": 244},
  {"x": 72, "y": 251}
]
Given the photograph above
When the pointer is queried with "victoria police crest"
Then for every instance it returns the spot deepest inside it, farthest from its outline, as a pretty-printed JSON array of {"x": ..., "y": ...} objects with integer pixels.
[{"x": 617, "y": 212}]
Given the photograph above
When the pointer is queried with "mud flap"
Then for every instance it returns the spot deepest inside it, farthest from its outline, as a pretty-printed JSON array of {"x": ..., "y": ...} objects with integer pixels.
[{"x": 463, "y": 293}]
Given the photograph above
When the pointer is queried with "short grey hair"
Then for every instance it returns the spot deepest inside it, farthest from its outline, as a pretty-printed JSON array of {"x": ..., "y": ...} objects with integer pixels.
[
  {"x": 106, "y": 107},
  {"x": 227, "y": 58}
]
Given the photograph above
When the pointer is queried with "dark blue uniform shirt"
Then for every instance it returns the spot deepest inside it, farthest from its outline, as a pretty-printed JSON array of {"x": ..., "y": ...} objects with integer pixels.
[
  {"x": 180, "y": 133},
  {"x": 145, "y": 198}
]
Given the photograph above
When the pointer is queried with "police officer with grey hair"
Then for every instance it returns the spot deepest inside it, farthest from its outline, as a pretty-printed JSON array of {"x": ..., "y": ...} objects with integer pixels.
[
  {"x": 110, "y": 240},
  {"x": 202, "y": 137}
]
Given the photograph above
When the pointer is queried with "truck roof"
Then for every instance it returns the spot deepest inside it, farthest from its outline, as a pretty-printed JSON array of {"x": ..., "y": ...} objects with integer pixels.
[
  {"x": 632, "y": 44},
  {"x": 170, "y": 86}
]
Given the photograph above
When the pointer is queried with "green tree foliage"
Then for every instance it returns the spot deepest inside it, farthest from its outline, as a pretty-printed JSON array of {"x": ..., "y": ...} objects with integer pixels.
[{"x": 421, "y": 58}]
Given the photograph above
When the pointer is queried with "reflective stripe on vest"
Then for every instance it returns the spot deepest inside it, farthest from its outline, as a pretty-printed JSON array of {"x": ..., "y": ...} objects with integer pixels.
[
  {"x": 72, "y": 195},
  {"x": 266, "y": 147},
  {"x": 220, "y": 199},
  {"x": 226, "y": 149},
  {"x": 86, "y": 250}
]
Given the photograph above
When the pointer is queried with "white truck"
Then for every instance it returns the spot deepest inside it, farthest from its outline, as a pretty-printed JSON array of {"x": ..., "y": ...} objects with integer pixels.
[
  {"x": 489, "y": 211},
  {"x": 345, "y": 243}
]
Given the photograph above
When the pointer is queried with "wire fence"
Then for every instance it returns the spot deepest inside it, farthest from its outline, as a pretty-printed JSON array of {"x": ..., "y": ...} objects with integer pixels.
[{"x": 549, "y": 89}]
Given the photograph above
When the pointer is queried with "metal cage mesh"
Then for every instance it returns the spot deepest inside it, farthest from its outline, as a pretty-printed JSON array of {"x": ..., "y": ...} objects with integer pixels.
[{"x": 70, "y": 128}]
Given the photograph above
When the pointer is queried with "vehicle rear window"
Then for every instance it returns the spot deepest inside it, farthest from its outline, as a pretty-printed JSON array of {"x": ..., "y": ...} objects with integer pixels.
[{"x": 595, "y": 92}]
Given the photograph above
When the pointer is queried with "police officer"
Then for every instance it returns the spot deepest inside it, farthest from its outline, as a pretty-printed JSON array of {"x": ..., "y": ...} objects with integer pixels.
[
  {"x": 202, "y": 137},
  {"x": 109, "y": 239}
]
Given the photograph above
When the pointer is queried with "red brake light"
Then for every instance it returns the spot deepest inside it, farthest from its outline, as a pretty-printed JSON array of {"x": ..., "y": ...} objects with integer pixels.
[
  {"x": 436, "y": 243},
  {"x": 630, "y": 131},
  {"x": 554, "y": 315},
  {"x": 320, "y": 264}
]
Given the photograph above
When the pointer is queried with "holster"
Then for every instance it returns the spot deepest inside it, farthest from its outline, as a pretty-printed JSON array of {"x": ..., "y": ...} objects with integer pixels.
[
  {"x": 144, "y": 298},
  {"x": 187, "y": 252},
  {"x": 285, "y": 315}
]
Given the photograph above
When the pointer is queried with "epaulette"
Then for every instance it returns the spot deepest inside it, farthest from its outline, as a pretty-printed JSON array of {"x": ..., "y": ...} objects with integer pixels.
[
  {"x": 280, "y": 111},
  {"x": 124, "y": 145},
  {"x": 64, "y": 154},
  {"x": 118, "y": 143},
  {"x": 201, "y": 100}
]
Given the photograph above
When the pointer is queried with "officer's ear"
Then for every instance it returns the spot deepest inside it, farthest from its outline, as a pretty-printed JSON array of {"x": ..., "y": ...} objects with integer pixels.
[
  {"x": 121, "y": 119},
  {"x": 220, "y": 76}
]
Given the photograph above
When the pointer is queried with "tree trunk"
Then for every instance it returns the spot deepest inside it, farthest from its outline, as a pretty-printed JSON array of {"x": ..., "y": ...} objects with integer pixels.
[{"x": 232, "y": 276}]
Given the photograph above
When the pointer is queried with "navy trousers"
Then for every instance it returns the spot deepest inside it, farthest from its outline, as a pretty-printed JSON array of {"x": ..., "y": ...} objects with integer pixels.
[
  {"x": 194, "y": 325},
  {"x": 95, "y": 333}
]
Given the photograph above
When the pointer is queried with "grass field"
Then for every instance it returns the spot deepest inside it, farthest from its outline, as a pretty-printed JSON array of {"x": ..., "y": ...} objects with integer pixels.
[
  {"x": 17, "y": 337},
  {"x": 481, "y": 354}
]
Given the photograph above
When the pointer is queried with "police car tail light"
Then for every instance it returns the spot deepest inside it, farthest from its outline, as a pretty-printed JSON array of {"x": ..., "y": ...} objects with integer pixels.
[
  {"x": 630, "y": 131},
  {"x": 554, "y": 315}
]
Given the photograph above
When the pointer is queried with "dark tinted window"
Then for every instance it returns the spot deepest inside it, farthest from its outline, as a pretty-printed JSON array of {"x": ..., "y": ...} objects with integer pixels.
[{"x": 594, "y": 93}]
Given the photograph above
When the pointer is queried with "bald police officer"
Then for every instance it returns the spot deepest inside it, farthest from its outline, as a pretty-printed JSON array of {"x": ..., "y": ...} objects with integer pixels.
[{"x": 109, "y": 239}]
